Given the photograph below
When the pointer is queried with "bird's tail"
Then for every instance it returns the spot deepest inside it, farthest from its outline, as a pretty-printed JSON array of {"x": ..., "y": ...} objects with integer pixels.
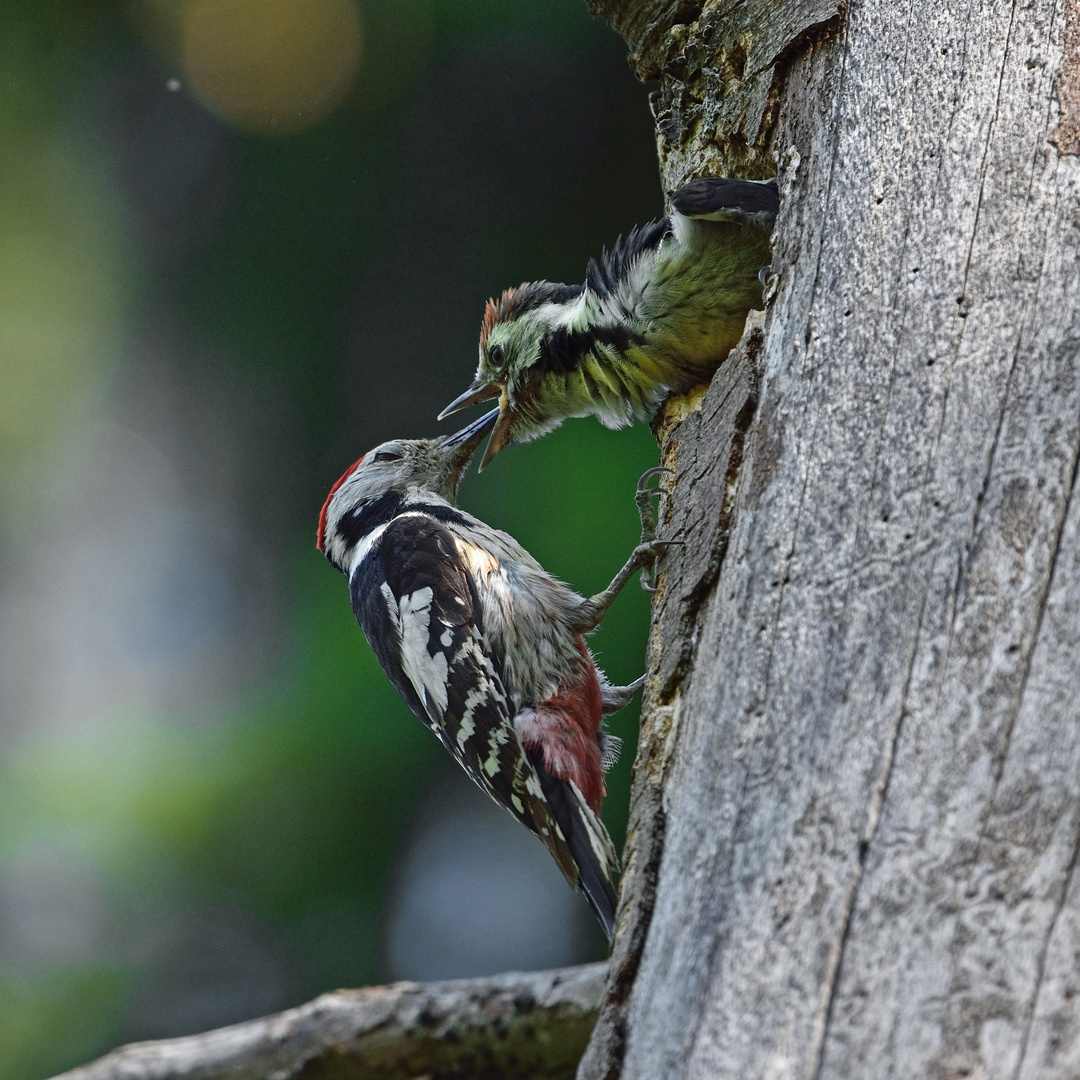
[
  {"x": 591, "y": 847},
  {"x": 751, "y": 202}
]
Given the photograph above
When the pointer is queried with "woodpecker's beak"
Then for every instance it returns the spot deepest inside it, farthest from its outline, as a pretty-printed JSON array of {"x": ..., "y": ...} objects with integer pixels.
[
  {"x": 474, "y": 394},
  {"x": 499, "y": 437},
  {"x": 458, "y": 448}
]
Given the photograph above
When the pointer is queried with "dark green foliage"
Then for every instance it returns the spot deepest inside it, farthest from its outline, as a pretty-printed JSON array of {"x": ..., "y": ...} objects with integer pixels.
[{"x": 287, "y": 806}]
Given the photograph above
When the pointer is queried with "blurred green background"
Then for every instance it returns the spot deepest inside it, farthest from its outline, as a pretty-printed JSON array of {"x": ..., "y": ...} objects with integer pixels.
[{"x": 242, "y": 241}]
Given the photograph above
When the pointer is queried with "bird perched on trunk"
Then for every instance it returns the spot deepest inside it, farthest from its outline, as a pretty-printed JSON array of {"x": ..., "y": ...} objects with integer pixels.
[
  {"x": 485, "y": 646},
  {"x": 655, "y": 316}
]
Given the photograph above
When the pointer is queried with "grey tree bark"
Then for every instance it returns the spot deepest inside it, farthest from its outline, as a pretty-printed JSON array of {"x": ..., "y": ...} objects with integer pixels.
[
  {"x": 518, "y": 1026},
  {"x": 856, "y": 815}
]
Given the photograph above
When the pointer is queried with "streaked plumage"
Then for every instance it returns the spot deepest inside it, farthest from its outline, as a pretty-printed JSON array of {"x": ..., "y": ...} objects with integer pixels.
[
  {"x": 485, "y": 646},
  {"x": 655, "y": 315}
]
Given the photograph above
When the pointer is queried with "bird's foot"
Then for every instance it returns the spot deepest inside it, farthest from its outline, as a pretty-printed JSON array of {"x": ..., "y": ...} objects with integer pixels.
[
  {"x": 650, "y": 554},
  {"x": 650, "y": 549},
  {"x": 644, "y": 557},
  {"x": 613, "y": 698},
  {"x": 643, "y": 497}
]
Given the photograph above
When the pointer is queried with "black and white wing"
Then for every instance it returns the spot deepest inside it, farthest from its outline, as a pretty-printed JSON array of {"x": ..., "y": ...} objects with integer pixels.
[
  {"x": 607, "y": 275},
  {"x": 417, "y": 605}
]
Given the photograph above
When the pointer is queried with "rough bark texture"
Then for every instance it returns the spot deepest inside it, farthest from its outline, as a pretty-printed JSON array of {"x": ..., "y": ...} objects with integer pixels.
[
  {"x": 529, "y": 1026},
  {"x": 856, "y": 816}
]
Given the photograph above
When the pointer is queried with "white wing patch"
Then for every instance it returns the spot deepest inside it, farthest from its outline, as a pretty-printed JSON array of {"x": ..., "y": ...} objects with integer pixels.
[
  {"x": 391, "y": 607},
  {"x": 427, "y": 673}
]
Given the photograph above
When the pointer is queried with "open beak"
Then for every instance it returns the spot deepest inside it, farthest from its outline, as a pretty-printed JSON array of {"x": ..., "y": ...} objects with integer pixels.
[
  {"x": 499, "y": 437},
  {"x": 474, "y": 394},
  {"x": 459, "y": 447}
]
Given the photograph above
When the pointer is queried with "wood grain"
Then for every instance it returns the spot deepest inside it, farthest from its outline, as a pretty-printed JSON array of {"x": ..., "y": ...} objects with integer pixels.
[{"x": 870, "y": 795}]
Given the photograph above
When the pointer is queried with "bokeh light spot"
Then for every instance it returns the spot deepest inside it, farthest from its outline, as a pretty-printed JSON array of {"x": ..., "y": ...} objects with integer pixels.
[{"x": 272, "y": 66}]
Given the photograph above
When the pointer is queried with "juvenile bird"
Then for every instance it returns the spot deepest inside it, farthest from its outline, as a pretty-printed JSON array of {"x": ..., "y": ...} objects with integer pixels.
[
  {"x": 656, "y": 315},
  {"x": 485, "y": 646}
]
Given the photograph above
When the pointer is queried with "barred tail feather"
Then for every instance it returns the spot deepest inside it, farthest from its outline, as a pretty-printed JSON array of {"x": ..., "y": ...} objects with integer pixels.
[
  {"x": 589, "y": 843},
  {"x": 597, "y": 861},
  {"x": 724, "y": 199}
]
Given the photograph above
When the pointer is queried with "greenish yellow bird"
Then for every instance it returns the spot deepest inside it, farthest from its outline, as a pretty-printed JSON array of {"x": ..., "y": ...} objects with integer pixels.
[{"x": 655, "y": 316}]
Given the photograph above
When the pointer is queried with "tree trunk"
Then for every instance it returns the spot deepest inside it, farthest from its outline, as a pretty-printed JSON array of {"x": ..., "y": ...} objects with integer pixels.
[{"x": 856, "y": 814}]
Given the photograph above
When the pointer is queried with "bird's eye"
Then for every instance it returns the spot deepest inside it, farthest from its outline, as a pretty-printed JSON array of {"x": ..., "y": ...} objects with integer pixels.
[
  {"x": 387, "y": 455},
  {"x": 496, "y": 357}
]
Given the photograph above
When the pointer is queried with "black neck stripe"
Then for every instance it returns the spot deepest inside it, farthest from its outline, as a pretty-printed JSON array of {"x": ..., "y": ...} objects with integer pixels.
[
  {"x": 561, "y": 351},
  {"x": 440, "y": 512},
  {"x": 363, "y": 519}
]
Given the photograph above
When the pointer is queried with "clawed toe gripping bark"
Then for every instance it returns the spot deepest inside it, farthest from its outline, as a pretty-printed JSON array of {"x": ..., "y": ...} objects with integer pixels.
[
  {"x": 647, "y": 513},
  {"x": 644, "y": 557}
]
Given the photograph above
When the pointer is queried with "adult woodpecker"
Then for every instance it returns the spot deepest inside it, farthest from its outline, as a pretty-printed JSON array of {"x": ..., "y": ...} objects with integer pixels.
[
  {"x": 656, "y": 315},
  {"x": 485, "y": 646}
]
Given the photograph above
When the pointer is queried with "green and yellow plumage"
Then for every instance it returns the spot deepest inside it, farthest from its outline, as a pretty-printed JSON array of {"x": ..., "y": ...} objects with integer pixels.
[{"x": 656, "y": 315}]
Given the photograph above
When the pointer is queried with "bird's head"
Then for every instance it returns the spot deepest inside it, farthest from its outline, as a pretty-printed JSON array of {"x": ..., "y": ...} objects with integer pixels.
[
  {"x": 394, "y": 473},
  {"x": 520, "y": 361}
]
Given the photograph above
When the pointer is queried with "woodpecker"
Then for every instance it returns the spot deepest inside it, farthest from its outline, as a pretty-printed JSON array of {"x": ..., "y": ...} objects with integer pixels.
[
  {"x": 485, "y": 646},
  {"x": 656, "y": 315}
]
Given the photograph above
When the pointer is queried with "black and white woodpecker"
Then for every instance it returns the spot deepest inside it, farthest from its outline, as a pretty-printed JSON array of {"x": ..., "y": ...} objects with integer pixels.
[
  {"x": 655, "y": 316},
  {"x": 485, "y": 646}
]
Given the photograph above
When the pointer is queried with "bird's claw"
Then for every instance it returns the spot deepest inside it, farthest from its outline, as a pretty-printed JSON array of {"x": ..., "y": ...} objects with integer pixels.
[
  {"x": 650, "y": 548},
  {"x": 649, "y": 570},
  {"x": 648, "y": 474},
  {"x": 643, "y": 497}
]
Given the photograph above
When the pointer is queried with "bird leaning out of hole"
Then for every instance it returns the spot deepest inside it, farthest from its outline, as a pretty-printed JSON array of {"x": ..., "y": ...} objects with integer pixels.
[
  {"x": 486, "y": 646},
  {"x": 656, "y": 315}
]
